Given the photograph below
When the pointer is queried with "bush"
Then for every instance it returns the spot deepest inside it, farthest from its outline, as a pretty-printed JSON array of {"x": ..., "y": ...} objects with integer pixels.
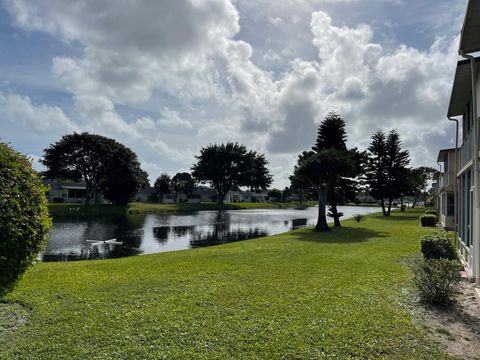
[
  {"x": 436, "y": 280},
  {"x": 24, "y": 220},
  {"x": 428, "y": 220},
  {"x": 437, "y": 246},
  {"x": 358, "y": 217},
  {"x": 431, "y": 212}
]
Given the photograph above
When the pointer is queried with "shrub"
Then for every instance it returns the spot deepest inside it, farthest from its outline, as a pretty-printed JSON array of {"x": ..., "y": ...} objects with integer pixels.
[
  {"x": 24, "y": 220},
  {"x": 428, "y": 220},
  {"x": 431, "y": 212},
  {"x": 436, "y": 280},
  {"x": 358, "y": 217},
  {"x": 437, "y": 246}
]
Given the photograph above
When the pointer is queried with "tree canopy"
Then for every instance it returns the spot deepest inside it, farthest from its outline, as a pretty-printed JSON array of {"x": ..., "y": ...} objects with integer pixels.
[
  {"x": 418, "y": 181},
  {"x": 162, "y": 185},
  {"x": 102, "y": 163},
  {"x": 386, "y": 170},
  {"x": 230, "y": 165},
  {"x": 183, "y": 183}
]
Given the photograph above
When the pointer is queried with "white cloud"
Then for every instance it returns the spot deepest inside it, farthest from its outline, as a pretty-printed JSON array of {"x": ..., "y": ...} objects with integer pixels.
[
  {"x": 19, "y": 112},
  {"x": 193, "y": 78}
]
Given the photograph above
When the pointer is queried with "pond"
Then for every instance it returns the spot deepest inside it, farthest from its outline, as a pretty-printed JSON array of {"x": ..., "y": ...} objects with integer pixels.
[{"x": 153, "y": 233}]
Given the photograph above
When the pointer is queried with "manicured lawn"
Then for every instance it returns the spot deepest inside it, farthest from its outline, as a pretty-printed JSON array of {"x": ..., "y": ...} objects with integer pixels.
[
  {"x": 298, "y": 295},
  {"x": 78, "y": 210}
]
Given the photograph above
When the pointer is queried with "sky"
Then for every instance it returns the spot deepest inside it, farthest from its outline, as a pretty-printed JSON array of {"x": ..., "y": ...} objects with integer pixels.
[{"x": 167, "y": 78}]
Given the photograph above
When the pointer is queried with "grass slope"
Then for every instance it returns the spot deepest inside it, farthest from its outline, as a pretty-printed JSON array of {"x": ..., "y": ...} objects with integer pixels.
[
  {"x": 297, "y": 295},
  {"x": 78, "y": 210}
]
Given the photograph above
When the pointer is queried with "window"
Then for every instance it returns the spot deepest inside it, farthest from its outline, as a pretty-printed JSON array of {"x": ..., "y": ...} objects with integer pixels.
[
  {"x": 467, "y": 120},
  {"x": 77, "y": 193},
  {"x": 450, "y": 204}
]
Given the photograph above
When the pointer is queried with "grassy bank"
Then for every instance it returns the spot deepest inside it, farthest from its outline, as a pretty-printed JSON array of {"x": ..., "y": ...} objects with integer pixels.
[
  {"x": 296, "y": 295},
  {"x": 78, "y": 210}
]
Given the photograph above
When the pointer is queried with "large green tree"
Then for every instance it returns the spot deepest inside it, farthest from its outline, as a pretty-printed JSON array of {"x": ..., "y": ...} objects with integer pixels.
[
  {"x": 24, "y": 220},
  {"x": 123, "y": 176},
  {"x": 102, "y": 163},
  {"x": 162, "y": 186},
  {"x": 386, "y": 173},
  {"x": 183, "y": 183},
  {"x": 318, "y": 170},
  {"x": 230, "y": 165},
  {"x": 418, "y": 181},
  {"x": 332, "y": 135}
]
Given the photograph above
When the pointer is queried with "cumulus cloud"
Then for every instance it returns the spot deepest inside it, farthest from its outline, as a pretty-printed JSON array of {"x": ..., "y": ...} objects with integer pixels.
[
  {"x": 19, "y": 112},
  {"x": 169, "y": 77}
]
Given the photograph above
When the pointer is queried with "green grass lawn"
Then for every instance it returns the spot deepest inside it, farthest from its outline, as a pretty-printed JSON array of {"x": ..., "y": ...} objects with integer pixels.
[
  {"x": 298, "y": 295},
  {"x": 79, "y": 210}
]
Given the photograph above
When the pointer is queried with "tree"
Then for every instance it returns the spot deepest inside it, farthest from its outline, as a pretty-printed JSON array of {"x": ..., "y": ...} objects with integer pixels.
[
  {"x": 332, "y": 135},
  {"x": 275, "y": 195},
  {"x": 162, "y": 185},
  {"x": 418, "y": 178},
  {"x": 386, "y": 172},
  {"x": 123, "y": 175},
  {"x": 102, "y": 163},
  {"x": 183, "y": 183},
  {"x": 317, "y": 170},
  {"x": 24, "y": 220},
  {"x": 231, "y": 165},
  {"x": 257, "y": 176},
  {"x": 286, "y": 193},
  {"x": 299, "y": 187}
]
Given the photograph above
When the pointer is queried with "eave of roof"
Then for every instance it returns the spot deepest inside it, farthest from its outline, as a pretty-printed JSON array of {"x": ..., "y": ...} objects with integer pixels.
[
  {"x": 461, "y": 90},
  {"x": 442, "y": 154},
  {"x": 470, "y": 37}
]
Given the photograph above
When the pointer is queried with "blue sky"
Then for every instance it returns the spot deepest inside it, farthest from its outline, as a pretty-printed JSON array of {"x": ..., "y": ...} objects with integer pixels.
[{"x": 166, "y": 78}]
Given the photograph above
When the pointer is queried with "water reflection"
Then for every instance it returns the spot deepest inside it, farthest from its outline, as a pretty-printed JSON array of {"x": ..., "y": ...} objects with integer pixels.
[{"x": 152, "y": 233}]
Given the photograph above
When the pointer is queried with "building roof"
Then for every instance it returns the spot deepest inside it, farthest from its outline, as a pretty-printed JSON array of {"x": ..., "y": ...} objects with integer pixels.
[
  {"x": 443, "y": 154},
  {"x": 77, "y": 187},
  {"x": 470, "y": 37},
  {"x": 461, "y": 90}
]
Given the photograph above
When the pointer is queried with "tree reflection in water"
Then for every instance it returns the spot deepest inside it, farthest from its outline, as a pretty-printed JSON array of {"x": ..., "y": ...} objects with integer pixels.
[{"x": 222, "y": 233}]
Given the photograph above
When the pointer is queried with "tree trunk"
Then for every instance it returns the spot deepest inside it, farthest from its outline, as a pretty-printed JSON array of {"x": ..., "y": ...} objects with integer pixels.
[
  {"x": 336, "y": 216},
  {"x": 88, "y": 192},
  {"x": 220, "y": 198},
  {"x": 402, "y": 208},
  {"x": 382, "y": 202},
  {"x": 322, "y": 225},
  {"x": 389, "y": 206},
  {"x": 414, "y": 202}
]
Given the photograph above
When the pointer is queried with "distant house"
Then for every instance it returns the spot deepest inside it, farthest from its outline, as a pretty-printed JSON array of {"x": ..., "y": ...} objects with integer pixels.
[
  {"x": 64, "y": 191},
  {"x": 464, "y": 104},
  {"x": 445, "y": 188},
  {"x": 246, "y": 196}
]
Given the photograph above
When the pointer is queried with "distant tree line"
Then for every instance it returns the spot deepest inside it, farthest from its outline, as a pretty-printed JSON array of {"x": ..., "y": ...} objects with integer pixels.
[
  {"x": 110, "y": 167},
  {"x": 330, "y": 172}
]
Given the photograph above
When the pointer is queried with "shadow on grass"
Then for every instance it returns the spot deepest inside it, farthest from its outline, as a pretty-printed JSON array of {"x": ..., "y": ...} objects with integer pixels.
[{"x": 344, "y": 235}]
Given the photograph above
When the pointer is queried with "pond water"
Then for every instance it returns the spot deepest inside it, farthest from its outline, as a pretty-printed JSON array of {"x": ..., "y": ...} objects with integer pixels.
[{"x": 153, "y": 233}]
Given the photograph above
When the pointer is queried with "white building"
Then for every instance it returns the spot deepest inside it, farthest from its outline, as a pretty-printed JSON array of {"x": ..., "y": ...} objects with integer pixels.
[
  {"x": 463, "y": 103},
  {"x": 246, "y": 196}
]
